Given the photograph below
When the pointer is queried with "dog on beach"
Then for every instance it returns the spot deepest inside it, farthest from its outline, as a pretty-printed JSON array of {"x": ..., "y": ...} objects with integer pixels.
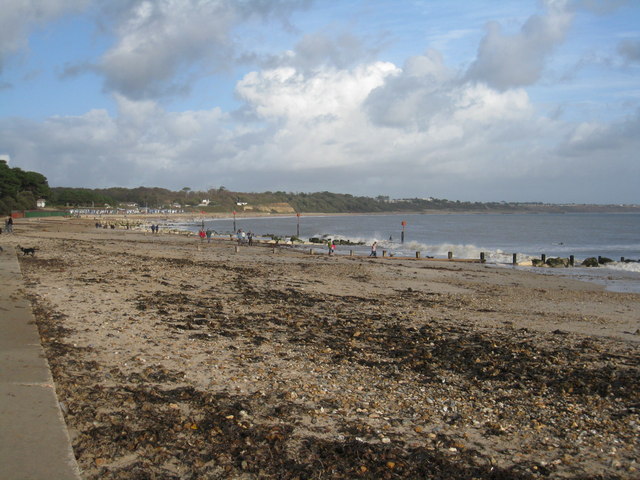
[{"x": 28, "y": 251}]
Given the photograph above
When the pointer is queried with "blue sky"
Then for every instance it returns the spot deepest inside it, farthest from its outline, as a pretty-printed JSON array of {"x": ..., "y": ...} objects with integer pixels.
[{"x": 473, "y": 99}]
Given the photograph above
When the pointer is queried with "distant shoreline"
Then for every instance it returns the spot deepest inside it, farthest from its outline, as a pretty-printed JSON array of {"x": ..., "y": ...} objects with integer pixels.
[{"x": 193, "y": 216}]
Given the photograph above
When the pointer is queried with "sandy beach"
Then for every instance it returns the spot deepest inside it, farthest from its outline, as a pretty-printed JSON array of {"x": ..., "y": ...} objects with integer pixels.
[{"x": 177, "y": 359}]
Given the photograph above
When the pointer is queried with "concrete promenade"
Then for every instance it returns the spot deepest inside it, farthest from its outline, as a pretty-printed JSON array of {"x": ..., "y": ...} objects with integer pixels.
[{"x": 34, "y": 442}]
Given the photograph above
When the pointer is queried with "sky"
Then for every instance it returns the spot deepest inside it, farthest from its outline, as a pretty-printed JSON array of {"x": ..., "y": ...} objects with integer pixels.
[{"x": 471, "y": 100}]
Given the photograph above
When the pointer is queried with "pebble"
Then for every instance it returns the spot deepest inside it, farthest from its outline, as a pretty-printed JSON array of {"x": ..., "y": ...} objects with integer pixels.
[{"x": 416, "y": 367}]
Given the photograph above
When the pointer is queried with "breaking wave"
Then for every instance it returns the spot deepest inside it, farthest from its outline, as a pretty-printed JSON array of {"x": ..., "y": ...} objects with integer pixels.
[{"x": 624, "y": 266}]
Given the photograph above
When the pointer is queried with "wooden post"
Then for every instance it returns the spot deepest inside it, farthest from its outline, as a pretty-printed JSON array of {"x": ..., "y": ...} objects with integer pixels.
[
  {"x": 351, "y": 253},
  {"x": 482, "y": 259},
  {"x": 384, "y": 253},
  {"x": 450, "y": 255},
  {"x": 515, "y": 259},
  {"x": 237, "y": 248},
  {"x": 273, "y": 250},
  {"x": 417, "y": 254},
  {"x": 311, "y": 251}
]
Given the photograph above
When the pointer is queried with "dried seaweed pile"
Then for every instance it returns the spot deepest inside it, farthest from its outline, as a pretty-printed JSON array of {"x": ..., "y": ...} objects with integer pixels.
[{"x": 293, "y": 383}]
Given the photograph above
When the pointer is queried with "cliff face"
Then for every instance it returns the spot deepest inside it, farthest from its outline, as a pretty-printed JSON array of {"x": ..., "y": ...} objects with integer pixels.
[{"x": 272, "y": 208}]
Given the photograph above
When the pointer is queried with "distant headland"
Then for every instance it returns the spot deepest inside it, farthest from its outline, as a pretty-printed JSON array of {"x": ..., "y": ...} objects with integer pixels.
[
  {"x": 221, "y": 200},
  {"x": 23, "y": 190}
]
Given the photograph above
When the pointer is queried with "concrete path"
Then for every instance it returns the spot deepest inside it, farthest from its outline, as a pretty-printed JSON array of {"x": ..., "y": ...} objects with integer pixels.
[{"x": 34, "y": 442}]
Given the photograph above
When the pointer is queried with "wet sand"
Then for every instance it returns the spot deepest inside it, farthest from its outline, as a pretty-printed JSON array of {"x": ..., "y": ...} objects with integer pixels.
[{"x": 175, "y": 359}]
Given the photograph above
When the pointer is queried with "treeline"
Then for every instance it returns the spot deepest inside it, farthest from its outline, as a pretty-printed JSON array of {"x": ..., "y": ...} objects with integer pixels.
[
  {"x": 223, "y": 200},
  {"x": 19, "y": 189},
  {"x": 144, "y": 197}
]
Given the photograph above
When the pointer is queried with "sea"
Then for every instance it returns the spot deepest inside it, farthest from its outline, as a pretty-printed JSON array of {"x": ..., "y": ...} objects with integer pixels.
[{"x": 498, "y": 236}]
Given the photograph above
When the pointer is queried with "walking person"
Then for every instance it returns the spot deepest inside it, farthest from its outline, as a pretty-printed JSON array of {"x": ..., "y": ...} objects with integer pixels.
[
  {"x": 374, "y": 248},
  {"x": 209, "y": 232},
  {"x": 242, "y": 237}
]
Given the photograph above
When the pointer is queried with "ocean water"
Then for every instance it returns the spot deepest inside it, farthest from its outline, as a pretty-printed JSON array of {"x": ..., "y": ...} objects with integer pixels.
[{"x": 499, "y": 236}]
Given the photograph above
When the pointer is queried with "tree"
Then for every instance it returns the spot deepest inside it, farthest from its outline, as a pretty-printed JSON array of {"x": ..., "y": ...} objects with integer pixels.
[
  {"x": 34, "y": 182},
  {"x": 20, "y": 189},
  {"x": 26, "y": 200},
  {"x": 9, "y": 181},
  {"x": 79, "y": 197}
]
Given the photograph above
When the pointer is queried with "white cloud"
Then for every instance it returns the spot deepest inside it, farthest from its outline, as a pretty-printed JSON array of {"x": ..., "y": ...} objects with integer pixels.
[
  {"x": 163, "y": 45},
  {"x": 285, "y": 92},
  {"x": 507, "y": 61},
  {"x": 415, "y": 96},
  {"x": 160, "y": 41},
  {"x": 484, "y": 106},
  {"x": 319, "y": 50},
  {"x": 601, "y": 158},
  {"x": 144, "y": 144},
  {"x": 313, "y": 128},
  {"x": 324, "y": 115},
  {"x": 316, "y": 133},
  {"x": 620, "y": 139},
  {"x": 415, "y": 119},
  {"x": 19, "y": 17}
]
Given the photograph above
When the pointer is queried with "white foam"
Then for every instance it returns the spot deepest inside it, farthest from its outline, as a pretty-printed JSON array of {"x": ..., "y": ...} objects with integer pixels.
[{"x": 624, "y": 266}]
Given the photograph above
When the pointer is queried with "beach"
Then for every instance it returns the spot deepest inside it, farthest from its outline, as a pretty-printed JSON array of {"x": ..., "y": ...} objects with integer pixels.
[{"x": 175, "y": 358}]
